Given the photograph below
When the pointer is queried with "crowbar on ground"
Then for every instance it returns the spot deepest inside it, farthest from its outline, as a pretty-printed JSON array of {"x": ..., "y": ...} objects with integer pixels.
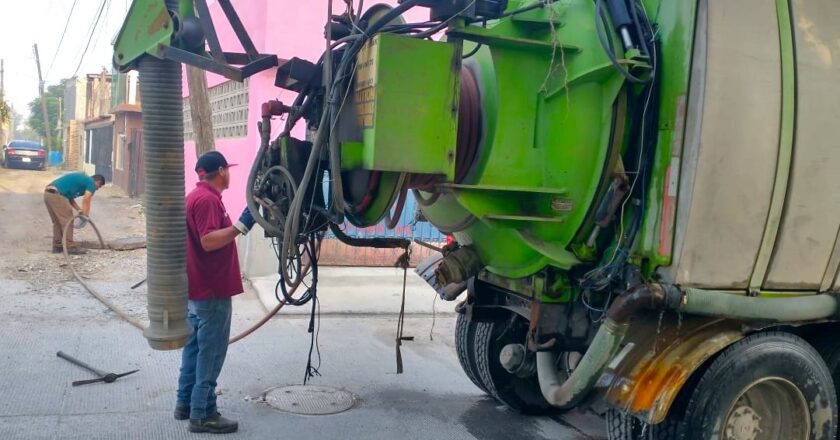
[{"x": 103, "y": 376}]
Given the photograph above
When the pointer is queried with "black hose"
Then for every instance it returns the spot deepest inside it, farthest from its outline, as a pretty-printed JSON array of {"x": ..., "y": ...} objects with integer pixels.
[
  {"x": 163, "y": 138},
  {"x": 322, "y": 136},
  {"x": 309, "y": 247},
  {"x": 379, "y": 243},
  {"x": 606, "y": 44},
  {"x": 270, "y": 228}
]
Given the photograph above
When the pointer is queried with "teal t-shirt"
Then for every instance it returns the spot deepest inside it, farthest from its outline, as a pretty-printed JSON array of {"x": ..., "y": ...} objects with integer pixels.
[{"x": 74, "y": 185}]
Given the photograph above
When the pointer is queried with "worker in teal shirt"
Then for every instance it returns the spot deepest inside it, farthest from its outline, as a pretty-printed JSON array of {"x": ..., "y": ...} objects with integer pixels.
[{"x": 60, "y": 197}]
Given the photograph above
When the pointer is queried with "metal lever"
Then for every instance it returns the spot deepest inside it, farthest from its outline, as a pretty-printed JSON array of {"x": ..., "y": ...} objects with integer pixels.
[{"x": 103, "y": 376}]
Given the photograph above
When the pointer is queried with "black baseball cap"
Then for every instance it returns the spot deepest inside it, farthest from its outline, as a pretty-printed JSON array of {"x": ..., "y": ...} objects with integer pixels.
[{"x": 211, "y": 162}]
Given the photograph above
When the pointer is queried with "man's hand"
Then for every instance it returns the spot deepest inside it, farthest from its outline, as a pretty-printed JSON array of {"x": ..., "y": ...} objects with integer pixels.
[
  {"x": 245, "y": 222},
  {"x": 80, "y": 222}
]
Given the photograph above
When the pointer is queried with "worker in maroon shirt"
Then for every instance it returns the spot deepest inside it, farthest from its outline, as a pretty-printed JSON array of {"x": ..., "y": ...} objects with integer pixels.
[{"x": 213, "y": 279}]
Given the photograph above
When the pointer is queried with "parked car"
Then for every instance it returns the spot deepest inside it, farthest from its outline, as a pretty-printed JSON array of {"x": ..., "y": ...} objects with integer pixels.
[{"x": 25, "y": 154}]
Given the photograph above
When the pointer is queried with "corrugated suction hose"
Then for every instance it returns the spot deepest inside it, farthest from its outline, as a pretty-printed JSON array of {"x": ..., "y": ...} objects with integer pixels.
[{"x": 163, "y": 153}]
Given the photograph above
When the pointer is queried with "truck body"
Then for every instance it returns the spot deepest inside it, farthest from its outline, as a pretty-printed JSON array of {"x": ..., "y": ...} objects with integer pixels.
[{"x": 641, "y": 192}]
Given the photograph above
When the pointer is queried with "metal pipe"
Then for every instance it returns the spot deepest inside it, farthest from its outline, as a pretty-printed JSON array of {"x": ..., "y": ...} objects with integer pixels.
[
  {"x": 569, "y": 392},
  {"x": 163, "y": 137},
  {"x": 786, "y": 309}
]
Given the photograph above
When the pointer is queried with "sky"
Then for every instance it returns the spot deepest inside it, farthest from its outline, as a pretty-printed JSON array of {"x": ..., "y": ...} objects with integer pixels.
[{"x": 27, "y": 22}]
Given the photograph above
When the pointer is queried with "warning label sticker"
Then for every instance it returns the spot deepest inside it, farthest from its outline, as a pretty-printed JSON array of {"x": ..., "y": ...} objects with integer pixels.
[{"x": 365, "y": 87}]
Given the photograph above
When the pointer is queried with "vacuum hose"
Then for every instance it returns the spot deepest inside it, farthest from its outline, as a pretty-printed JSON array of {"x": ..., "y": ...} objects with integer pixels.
[
  {"x": 163, "y": 138},
  {"x": 787, "y": 309},
  {"x": 566, "y": 393}
]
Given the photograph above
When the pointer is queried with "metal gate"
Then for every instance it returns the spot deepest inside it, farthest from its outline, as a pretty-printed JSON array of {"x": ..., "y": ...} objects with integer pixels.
[
  {"x": 136, "y": 183},
  {"x": 102, "y": 147}
]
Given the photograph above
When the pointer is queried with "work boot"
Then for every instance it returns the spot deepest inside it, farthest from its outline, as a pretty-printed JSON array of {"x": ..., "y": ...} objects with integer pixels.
[
  {"x": 72, "y": 250},
  {"x": 76, "y": 250},
  {"x": 215, "y": 424},
  {"x": 182, "y": 412}
]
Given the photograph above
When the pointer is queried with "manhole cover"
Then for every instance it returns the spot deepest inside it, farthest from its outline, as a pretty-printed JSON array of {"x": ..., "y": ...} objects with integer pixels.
[{"x": 310, "y": 399}]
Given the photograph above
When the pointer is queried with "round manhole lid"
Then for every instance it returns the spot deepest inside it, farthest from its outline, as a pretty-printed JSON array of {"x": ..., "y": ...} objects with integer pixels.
[{"x": 310, "y": 399}]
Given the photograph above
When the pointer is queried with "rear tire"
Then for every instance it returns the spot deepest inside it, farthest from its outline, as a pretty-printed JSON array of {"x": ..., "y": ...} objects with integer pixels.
[
  {"x": 521, "y": 394},
  {"x": 774, "y": 383},
  {"x": 621, "y": 426},
  {"x": 464, "y": 348},
  {"x": 829, "y": 348}
]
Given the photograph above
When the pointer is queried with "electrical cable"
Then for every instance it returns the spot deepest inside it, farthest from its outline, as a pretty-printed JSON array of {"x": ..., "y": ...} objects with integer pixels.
[
  {"x": 61, "y": 40},
  {"x": 472, "y": 52},
  {"x": 312, "y": 371},
  {"x": 443, "y": 24},
  {"x": 606, "y": 43},
  {"x": 322, "y": 134},
  {"x": 90, "y": 37},
  {"x": 600, "y": 277}
]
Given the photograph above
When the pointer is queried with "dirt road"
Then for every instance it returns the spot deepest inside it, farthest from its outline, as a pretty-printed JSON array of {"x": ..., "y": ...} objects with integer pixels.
[{"x": 26, "y": 234}]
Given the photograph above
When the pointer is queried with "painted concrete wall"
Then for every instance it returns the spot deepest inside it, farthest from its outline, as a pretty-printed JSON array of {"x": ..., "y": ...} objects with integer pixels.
[{"x": 286, "y": 28}]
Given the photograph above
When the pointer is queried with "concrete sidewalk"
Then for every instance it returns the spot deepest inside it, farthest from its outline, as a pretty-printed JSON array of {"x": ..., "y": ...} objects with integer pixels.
[{"x": 362, "y": 290}]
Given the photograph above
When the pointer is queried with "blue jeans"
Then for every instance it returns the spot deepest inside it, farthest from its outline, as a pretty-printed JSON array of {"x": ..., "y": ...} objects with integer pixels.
[{"x": 203, "y": 356}]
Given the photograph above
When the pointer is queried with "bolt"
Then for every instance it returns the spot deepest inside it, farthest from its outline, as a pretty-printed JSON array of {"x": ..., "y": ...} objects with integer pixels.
[{"x": 512, "y": 356}]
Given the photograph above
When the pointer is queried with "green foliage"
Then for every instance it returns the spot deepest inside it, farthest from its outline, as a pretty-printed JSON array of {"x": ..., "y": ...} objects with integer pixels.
[
  {"x": 5, "y": 111},
  {"x": 53, "y": 96}
]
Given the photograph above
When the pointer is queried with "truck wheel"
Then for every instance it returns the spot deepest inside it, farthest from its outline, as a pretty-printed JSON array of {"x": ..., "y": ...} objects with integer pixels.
[
  {"x": 464, "y": 343},
  {"x": 829, "y": 348},
  {"x": 768, "y": 386},
  {"x": 621, "y": 426},
  {"x": 521, "y": 394}
]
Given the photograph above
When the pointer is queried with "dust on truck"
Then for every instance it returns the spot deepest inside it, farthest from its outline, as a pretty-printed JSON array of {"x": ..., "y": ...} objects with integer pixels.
[{"x": 643, "y": 193}]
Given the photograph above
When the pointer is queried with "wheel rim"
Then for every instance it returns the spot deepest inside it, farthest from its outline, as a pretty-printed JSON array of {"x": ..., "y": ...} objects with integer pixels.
[{"x": 768, "y": 409}]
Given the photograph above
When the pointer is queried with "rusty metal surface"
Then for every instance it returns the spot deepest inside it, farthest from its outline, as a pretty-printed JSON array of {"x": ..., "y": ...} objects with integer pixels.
[{"x": 660, "y": 354}]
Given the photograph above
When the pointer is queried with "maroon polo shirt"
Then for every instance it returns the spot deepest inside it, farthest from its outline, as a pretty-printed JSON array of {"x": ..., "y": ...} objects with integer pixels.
[{"x": 210, "y": 275}]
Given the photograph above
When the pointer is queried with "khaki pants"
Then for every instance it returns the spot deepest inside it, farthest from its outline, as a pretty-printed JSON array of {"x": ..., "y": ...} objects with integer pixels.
[{"x": 61, "y": 212}]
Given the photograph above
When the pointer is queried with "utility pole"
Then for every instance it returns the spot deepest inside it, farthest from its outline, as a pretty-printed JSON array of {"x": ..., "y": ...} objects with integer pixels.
[
  {"x": 47, "y": 128},
  {"x": 200, "y": 112},
  {"x": 2, "y": 100}
]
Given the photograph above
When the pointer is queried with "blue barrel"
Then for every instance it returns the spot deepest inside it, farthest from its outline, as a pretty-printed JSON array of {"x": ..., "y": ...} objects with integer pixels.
[{"x": 54, "y": 158}]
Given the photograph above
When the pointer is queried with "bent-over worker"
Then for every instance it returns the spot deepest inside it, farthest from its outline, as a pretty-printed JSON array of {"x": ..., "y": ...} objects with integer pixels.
[{"x": 60, "y": 197}]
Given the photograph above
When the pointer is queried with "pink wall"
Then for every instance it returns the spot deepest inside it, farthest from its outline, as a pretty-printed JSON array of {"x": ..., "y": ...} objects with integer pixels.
[{"x": 286, "y": 28}]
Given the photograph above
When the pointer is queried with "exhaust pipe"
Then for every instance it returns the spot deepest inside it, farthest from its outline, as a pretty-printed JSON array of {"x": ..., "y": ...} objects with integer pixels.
[{"x": 163, "y": 138}]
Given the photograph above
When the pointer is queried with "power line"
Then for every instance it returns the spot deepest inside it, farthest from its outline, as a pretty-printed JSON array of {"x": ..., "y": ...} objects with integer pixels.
[
  {"x": 104, "y": 26},
  {"x": 61, "y": 40},
  {"x": 90, "y": 36}
]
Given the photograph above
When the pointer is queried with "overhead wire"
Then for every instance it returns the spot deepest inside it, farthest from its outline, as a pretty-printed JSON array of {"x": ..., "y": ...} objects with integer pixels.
[
  {"x": 90, "y": 36},
  {"x": 104, "y": 26},
  {"x": 61, "y": 40}
]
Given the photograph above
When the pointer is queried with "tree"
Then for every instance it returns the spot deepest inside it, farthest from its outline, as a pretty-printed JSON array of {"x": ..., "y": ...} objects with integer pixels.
[
  {"x": 53, "y": 95},
  {"x": 5, "y": 111},
  {"x": 5, "y": 119}
]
